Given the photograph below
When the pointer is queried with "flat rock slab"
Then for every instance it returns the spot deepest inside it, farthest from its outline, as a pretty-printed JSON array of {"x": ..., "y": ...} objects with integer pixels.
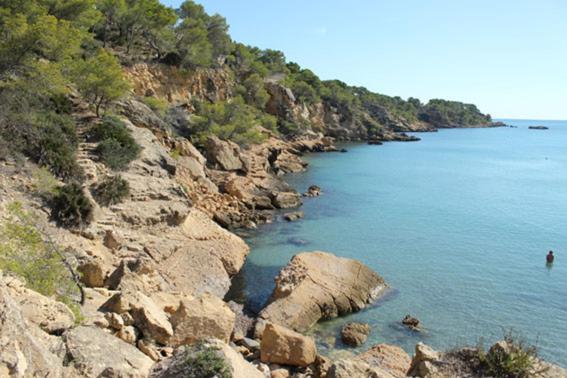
[
  {"x": 95, "y": 353},
  {"x": 320, "y": 285}
]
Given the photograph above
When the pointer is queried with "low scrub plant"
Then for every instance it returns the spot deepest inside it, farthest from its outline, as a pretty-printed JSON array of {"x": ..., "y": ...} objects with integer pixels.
[
  {"x": 116, "y": 146},
  {"x": 112, "y": 190},
  {"x": 511, "y": 358},
  {"x": 71, "y": 207},
  {"x": 157, "y": 105},
  {"x": 26, "y": 252},
  {"x": 205, "y": 363}
]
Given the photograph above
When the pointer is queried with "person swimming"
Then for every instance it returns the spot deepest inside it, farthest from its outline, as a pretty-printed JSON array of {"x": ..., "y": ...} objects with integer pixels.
[{"x": 550, "y": 257}]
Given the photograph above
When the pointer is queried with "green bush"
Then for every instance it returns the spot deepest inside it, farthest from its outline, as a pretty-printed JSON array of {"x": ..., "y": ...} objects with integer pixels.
[
  {"x": 116, "y": 146},
  {"x": 26, "y": 252},
  {"x": 112, "y": 190},
  {"x": 157, "y": 105},
  {"x": 70, "y": 207},
  {"x": 516, "y": 360},
  {"x": 206, "y": 364}
]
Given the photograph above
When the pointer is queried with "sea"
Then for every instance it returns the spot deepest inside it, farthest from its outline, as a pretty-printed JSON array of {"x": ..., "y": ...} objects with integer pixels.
[{"x": 458, "y": 224}]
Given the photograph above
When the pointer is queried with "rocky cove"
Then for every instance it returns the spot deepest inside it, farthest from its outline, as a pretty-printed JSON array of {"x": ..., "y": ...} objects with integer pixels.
[{"x": 155, "y": 269}]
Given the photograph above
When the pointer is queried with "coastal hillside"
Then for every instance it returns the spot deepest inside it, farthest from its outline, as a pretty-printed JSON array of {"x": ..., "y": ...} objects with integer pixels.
[{"x": 134, "y": 138}]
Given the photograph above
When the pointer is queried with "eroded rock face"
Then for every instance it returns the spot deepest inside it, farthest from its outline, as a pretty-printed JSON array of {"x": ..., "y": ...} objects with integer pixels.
[
  {"x": 320, "y": 285},
  {"x": 283, "y": 346},
  {"x": 51, "y": 316},
  {"x": 25, "y": 349},
  {"x": 225, "y": 155},
  {"x": 94, "y": 353},
  {"x": 150, "y": 319},
  {"x": 202, "y": 318}
]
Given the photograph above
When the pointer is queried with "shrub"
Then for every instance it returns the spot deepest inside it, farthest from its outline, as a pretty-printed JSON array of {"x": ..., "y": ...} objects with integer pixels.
[
  {"x": 206, "y": 364},
  {"x": 515, "y": 359},
  {"x": 116, "y": 146},
  {"x": 44, "y": 183},
  {"x": 157, "y": 105},
  {"x": 26, "y": 252},
  {"x": 112, "y": 190},
  {"x": 70, "y": 207}
]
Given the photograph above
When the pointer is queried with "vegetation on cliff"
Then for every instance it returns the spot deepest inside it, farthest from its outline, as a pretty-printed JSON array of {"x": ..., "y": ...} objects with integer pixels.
[{"x": 50, "y": 48}]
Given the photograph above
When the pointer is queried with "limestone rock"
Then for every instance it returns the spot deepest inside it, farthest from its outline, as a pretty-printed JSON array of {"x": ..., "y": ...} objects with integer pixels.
[
  {"x": 95, "y": 353},
  {"x": 293, "y": 216},
  {"x": 388, "y": 359},
  {"x": 52, "y": 316},
  {"x": 25, "y": 350},
  {"x": 202, "y": 318},
  {"x": 320, "y": 285},
  {"x": 225, "y": 155},
  {"x": 92, "y": 273},
  {"x": 128, "y": 334},
  {"x": 283, "y": 346},
  {"x": 352, "y": 369},
  {"x": 286, "y": 200},
  {"x": 355, "y": 334},
  {"x": 118, "y": 303},
  {"x": 422, "y": 364},
  {"x": 150, "y": 319}
]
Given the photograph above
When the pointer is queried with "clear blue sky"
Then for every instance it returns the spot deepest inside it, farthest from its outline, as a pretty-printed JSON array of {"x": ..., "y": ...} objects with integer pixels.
[{"x": 507, "y": 56}]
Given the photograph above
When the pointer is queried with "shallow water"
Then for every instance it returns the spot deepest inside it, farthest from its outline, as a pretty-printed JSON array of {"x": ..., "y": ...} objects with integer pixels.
[{"x": 458, "y": 224}]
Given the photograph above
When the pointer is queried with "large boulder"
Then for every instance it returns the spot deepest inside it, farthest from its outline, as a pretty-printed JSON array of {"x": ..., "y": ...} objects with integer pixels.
[
  {"x": 283, "y": 346},
  {"x": 424, "y": 361},
  {"x": 286, "y": 200},
  {"x": 150, "y": 319},
  {"x": 320, "y": 285},
  {"x": 95, "y": 353},
  {"x": 182, "y": 363},
  {"x": 225, "y": 155},
  {"x": 202, "y": 318}
]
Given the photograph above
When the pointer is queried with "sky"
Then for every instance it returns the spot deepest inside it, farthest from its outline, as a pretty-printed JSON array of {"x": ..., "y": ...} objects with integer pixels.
[{"x": 509, "y": 57}]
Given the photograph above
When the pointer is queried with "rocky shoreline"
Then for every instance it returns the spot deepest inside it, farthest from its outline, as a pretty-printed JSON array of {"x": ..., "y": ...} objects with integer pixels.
[{"x": 155, "y": 268}]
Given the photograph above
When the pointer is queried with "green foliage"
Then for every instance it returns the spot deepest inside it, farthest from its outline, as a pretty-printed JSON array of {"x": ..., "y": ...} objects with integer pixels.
[
  {"x": 112, "y": 190},
  {"x": 453, "y": 113},
  {"x": 36, "y": 125},
  {"x": 253, "y": 91},
  {"x": 100, "y": 80},
  {"x": 516, "y": 362},
  {"x": 26, "y": 252},
  {"x": 44, "y": 183},
  {"x": 116, "y": 146},
  {"x": 70, "y": 207},
  {"x": 157, "y": 105},
  {"x": 232, "y": 120},
  {"x": 205, "y": 363}
]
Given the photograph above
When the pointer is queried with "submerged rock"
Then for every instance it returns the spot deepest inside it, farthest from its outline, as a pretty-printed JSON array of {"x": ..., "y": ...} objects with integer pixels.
[
  {"x": 293, "y": 216},
  {"x": 355, "y": 334},
  {"x": 320, "y": 285},
  {"x": 312, "y": 191},
  {"x": 411, "y": 322}
]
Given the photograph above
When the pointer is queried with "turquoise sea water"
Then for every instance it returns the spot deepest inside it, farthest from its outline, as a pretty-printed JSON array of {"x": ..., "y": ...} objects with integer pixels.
[{"x": 458, "y": 224}]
